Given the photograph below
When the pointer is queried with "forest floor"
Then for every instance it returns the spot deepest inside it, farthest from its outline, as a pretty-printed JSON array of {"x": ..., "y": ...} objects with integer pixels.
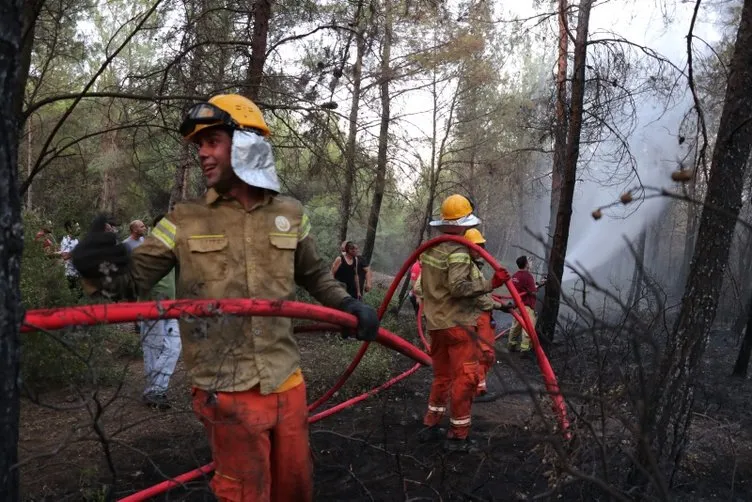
[{"x": 370, "y": 451}]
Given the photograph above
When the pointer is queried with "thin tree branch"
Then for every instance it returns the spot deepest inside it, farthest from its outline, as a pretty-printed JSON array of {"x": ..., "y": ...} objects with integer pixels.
[
  {"x": 702, "y": 160},
  {"x": 69, "y": 110}
]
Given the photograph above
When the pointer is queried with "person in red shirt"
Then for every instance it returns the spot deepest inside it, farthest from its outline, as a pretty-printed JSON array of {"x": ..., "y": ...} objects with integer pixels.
[
  {"x": 414, "y": 276},
  {"x": 45, "y": 237},
  {"x": 523, "y": 280}
]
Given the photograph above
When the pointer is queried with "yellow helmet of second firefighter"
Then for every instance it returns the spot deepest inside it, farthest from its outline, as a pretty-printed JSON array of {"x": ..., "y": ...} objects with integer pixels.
[
  {"x": 456, "y": 211},
  {"x": 474, "y": 236},
  {"x": 239, "y": 112}
]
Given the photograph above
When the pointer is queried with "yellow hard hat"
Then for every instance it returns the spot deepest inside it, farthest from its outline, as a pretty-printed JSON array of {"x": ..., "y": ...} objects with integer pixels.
[
  {"x": 455, "y": 207},
  {"x": 233, "y": 110},
  {"x": 456, "y": 211},
  {"x": 474, "y": 236}
]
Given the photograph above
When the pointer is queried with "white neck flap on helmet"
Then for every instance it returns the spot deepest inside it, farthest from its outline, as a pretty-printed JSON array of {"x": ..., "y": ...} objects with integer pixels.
[{"x": 252, "y": 160}]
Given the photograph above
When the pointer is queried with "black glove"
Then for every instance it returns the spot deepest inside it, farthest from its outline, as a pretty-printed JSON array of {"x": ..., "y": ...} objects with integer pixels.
[
  {"x": 100, "y": 254},
  {"x": 507, "y": 307},
  {"x": 368, "y": 320}
]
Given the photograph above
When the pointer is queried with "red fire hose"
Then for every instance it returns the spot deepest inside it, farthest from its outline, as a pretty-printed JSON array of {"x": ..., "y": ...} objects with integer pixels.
[
  {"x": 328, "y": 319},
  {"x": 552, "y": 386},
  {"x": 420, "y": 328},
  {"x": 129, "y": 312}
]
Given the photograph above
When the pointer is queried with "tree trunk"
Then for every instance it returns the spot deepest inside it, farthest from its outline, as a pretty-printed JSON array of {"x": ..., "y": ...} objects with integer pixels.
[
  {"x": 29, "y": 163},
  {"x": 669, "y": 411},
  {"x": 689, "y": 236},
  {"x": 29, "y": 17},
  {"x": 200, "y": 30},
  {"x": 109, "y": 144},
  {"x": 742, "y": 360},
  {"x": 635, "y": 288},
  {"x": 350, "y": 152},
  {"x": 560, "y": 126},
  {"x": 11, "y": 242},
  {"x": 262, "y": 11},
  {"x": 744, "y": 272},
  {"x": 381, "y": 160},
  {"x": 547, "y": 322},
  {"x": 180, "y": 187},
  {"x": 434, "y": 171}
]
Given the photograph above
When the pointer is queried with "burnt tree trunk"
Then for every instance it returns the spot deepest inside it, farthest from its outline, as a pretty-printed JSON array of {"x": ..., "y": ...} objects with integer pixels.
[
  {"x": 742, "y": 360},
  {"x": 635, "y": 289},
  {"x": 690, "y": 235},
  {"x": 744, "y": 272},
  {"x": 560, "y": 124},
  {"x": 262, "y": 11},
  {"x": 668, "y": 413},
  {"x": 351, "y": 149},
  {"x": 379, "y": 185},
  {"x": 11, "y": 242},
  {"x": 547, "y": 322}
]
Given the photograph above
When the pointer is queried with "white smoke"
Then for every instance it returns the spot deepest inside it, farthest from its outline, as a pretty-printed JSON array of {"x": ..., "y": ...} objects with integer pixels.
[
  {"x": 656, "y": 151},
  {"x": 654, "y": 142}
]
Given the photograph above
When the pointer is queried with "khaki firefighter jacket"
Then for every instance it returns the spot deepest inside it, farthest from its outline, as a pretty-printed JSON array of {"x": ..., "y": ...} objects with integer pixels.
[
  {"x": 450, "y": 285},
  {"x": 220, "y": 250}
]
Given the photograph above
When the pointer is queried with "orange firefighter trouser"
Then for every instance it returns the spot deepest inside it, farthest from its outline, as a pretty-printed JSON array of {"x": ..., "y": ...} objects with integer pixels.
[
  {"x": 259, "y": 444},
  {"x": 454, "y": 354},
  {"x": 487, "y": 340}
]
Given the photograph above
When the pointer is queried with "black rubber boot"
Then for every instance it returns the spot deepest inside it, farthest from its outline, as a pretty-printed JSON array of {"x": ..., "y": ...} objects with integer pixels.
[
  {"x": 434, "y": 433},
  {"x": 486, "y": 397}
]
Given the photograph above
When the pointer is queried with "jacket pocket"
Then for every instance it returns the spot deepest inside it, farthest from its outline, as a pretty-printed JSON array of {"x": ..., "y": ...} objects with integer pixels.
[
  {"x": 282, "y": 257},
  {"x": 287, "y": 241},
  {"x": 209, "y": 255}
]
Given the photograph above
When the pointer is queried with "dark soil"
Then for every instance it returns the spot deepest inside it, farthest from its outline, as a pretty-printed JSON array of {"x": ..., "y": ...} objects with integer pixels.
[{"x": 371, "y": 452}]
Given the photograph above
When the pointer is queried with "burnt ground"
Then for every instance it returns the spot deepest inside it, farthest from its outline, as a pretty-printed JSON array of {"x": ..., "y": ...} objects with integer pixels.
[{"x": 370, "y": 452}]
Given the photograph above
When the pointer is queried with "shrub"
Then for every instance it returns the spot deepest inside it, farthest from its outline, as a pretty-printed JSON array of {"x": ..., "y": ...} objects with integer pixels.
[
  {"x": 71, "y": 356},
  {"x": 326, "y": 357},
  {"x": 43, "y": 282}
]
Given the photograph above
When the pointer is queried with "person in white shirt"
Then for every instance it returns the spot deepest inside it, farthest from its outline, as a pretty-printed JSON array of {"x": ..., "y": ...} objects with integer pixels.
[{"x": 67, "y": 244}]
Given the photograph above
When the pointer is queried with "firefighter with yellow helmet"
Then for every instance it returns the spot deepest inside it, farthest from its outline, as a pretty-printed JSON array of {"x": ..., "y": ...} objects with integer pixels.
[
  {"x": 485, "y": 306},
  {"x": 450, "y": 286},
  {"x": 241, "y": 240}
]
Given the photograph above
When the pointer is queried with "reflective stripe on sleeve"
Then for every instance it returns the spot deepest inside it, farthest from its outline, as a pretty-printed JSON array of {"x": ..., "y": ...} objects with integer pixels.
[
  {"x": 459, "y": 258},
  {"x": 305, "y": 228},
  {"x": 430, "y": 261},
  {"x": 165, "y": 232},
  {"x": 475, "y": 274}
]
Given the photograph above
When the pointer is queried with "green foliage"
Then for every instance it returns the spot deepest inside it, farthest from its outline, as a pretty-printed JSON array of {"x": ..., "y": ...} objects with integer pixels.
[
  {"x": 334, "y": 353},
  {"x": 324, "y": 215},
  {"x": 73, "y": 356},
  {"x": 43, "y": 283},
  {"x": 78, "y": 357},
  {"x": 374, "y": 369}
]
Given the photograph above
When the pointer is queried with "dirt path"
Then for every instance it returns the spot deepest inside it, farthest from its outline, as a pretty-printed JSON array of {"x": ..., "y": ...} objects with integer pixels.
[
  {"x": 369, "y": 452},
  {"x": 370, "y": 449}
]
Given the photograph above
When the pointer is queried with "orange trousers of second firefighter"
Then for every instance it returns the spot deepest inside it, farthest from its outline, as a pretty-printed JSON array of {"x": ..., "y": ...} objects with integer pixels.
[
  {"x": 487, "y": 340},
  {"x": 454, "y": 355},
  {"x": 259, "y": 444}
]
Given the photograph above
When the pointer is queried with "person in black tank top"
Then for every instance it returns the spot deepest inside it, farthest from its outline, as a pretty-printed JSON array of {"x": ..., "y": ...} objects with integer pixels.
[{"x": 345, "y": 270}]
